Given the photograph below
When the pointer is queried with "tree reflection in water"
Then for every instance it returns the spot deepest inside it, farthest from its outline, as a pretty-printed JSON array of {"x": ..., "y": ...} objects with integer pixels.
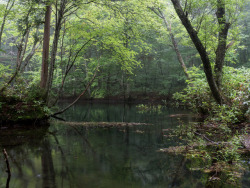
[
  {"x": 48, "y": 172},
  {"x": 78, "y": 156},
  {"x": 220, "y": 157}
]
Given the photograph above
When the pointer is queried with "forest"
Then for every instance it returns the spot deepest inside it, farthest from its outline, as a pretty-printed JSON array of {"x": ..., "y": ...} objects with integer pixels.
[
  {"x": 126, "y": 50},
  {"x": 191, "y": 55}
]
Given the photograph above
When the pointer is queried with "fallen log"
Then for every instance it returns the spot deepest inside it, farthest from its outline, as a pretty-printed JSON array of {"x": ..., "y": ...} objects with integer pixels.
[
  {"x": 180, "y": 115},
  {"x": 102, "y": 124},
  {"x": 176, "y": 149},
  {"x": 193, "y": 148}
]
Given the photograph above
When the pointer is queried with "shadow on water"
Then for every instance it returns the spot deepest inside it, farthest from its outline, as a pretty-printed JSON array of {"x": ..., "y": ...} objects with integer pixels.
[{"x": 81, "y": 156}]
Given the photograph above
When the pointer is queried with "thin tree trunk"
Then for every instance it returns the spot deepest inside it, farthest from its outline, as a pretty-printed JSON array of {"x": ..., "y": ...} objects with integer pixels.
[
  {"x": 69, "y": 66},
  {"x": 7, "y": 11},
  {"x": 29, "y": 56},
  {"x": 59, "y": 18},
  {"x": 1, "y": 31},
  {"x": 175, "y": 45},
  {"x": 18, "y": 64},
  {"x": 23, "y": 51},
  {"x": 87, "y": 73},
  {"x": 32, "y": 52}
]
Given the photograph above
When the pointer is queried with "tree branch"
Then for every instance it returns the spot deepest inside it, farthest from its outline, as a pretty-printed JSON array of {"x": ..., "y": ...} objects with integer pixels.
[{"x": 89, "y": 84}]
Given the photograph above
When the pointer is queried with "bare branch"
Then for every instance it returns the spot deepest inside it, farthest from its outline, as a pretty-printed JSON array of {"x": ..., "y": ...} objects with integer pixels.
[{"x": 69, "y": 106}]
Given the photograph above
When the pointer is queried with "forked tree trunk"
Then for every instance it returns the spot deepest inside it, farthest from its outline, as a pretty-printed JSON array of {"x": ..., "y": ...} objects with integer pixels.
[
  {"x": 58, "y": 26},
  {"x": 201, "y": 49},
  {"x": 20, "y": 55}
]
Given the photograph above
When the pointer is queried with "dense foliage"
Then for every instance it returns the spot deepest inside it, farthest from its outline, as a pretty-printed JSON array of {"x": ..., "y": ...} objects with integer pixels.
[
  {"x": 235, "y": 88},
  {"x": 137, "y": 49}
]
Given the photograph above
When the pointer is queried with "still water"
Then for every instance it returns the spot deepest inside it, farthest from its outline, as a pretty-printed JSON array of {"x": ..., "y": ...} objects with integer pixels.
[{"x": 83, "y": 157}]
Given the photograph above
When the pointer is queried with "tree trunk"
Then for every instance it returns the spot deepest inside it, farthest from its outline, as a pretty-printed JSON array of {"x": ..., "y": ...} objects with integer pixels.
[
  {"x": 31, "y": 53},
  {"x": 20, "y": 55},
  {"x": 201, "y": 49},
  {"x": 175, "y": 45},
  {"x": 222, "y": 41},
  {"x": 59, "y": 18},
  {"x": 1, "y": 31},
  {"x": 7, "y": 11},
  {"x": 46, "y": 39}
]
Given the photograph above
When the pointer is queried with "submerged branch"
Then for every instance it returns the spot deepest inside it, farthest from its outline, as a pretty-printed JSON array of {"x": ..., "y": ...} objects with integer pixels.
[{"x": 8, "y": 167}]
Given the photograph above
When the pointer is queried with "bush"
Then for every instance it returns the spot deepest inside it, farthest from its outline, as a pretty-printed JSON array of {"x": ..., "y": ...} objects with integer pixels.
[
  {"x": 22, "y": 102},
  {"x": 235, "y": 87}
]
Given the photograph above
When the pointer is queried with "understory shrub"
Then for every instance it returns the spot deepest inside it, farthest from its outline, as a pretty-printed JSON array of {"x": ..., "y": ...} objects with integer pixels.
[
  {"x": 235, "y": 87},
  {"x": 22, "y": 101}
]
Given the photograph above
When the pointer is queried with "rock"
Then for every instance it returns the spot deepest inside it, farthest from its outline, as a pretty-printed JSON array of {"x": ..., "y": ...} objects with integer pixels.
[{"x": 245, "y": 140}]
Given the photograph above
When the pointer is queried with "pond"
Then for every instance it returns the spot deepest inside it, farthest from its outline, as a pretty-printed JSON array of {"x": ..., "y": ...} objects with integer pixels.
[{"x": 63, "y": 155}]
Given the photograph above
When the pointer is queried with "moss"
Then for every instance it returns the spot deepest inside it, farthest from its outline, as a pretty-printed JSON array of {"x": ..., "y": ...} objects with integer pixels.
[{"x": 14, "y": 110}]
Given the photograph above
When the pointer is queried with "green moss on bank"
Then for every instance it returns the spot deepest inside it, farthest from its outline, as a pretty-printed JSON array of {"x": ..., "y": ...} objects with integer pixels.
[{"x": 16, "y": 110}]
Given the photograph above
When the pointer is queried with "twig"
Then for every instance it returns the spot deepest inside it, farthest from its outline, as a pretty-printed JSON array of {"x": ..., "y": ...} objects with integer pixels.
[{"x": 8, "y": 168}]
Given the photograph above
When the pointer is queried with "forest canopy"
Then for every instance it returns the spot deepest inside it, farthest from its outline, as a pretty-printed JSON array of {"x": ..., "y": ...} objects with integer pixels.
[{"x": 127, "y": 49}]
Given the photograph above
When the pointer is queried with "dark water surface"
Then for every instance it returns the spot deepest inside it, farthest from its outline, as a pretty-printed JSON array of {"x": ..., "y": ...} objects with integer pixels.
[{"x": 76, "y": 156}]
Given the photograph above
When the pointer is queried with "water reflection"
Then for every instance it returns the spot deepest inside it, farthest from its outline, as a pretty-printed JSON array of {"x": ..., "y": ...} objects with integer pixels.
[
  {"x": 218, "y": 156},
  {"x": 77, "y": 156},
  {"x": 48, "y": 172}
]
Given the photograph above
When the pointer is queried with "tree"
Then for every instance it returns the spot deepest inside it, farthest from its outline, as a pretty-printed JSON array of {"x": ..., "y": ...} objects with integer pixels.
[
  {"x": 25, "y": 25},
  {"x": 223, "y": 25},
  {"x": 46, "y": 39},
  {"x": 159, "y": 13},
  {"x": 64, "y": 8},
  {"x": 7, "y": 10}
]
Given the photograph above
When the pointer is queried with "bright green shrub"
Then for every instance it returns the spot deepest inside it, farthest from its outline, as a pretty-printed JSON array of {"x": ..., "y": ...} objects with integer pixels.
[{"x": 235, "y": 87}]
